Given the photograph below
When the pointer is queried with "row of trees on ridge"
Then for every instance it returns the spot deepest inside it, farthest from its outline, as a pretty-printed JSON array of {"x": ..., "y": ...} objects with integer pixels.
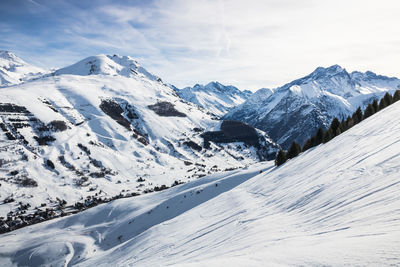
[{"x": 337, "y": 127}]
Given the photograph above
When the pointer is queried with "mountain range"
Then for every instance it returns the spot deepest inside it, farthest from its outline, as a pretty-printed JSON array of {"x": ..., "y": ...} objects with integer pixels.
[
  {"x": 334, "y": 205},
  {"x": 214, "y": 97},
  {"x": 295, "y": 111},
  {"x": 101, "y": 129}
]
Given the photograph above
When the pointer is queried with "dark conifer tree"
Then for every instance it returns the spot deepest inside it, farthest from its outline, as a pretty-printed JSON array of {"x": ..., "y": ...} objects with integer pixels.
[
  {"x": 307, "y": 145},
  {"x": 369, "y": 111},
  {"x": 357, "y": 116},
  {"x": 319, "y": 136},
  {"x": 335, "y": 126},
  {"x": 382, "y": 104},
  {"x": 294, "y": 150},
  {"x": 347, "y": 124},
  {"x": 343, "y": 125},
  {"x": 328, "y": 135},
  {"x": 396, "y": 96},
  {"x": 375, "y": 106},
  {"x": 280, "y": 158},
  {"x": 388, "y": 99}
]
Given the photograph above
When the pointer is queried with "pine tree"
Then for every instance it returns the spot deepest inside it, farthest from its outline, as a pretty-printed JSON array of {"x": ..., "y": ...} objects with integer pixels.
[
  {"x": 307, "y": 145},
  {"x": 294, "y": 150},
  {"x": 357, "y": 116},
  {"x": 375, "y": 106},
  {"x": 388, "y": 99},
  {"x": 327, "y": 136},
  {"x": 319, "y": 136},
  {"x": 280, "y": 158},
  {"x": 335, "y": 126},
  {"x": 349, "y": 122},
  {"x": 396, "y": 96},
  {"x": 343, "y": 125},
  {"x": 369, "y": 111},
  {"x": 382, "y": 104}
]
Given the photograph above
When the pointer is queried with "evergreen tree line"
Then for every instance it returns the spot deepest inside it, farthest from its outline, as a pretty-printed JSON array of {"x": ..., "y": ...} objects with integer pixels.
[{"x": 337, "y": 127}]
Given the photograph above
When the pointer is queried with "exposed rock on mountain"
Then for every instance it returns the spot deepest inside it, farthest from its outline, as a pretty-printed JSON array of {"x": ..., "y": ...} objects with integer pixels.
[{"x": 296, "y": 110}]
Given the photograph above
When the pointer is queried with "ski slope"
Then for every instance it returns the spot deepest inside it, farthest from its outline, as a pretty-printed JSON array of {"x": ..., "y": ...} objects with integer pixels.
[{"x": 337, "y": 204}]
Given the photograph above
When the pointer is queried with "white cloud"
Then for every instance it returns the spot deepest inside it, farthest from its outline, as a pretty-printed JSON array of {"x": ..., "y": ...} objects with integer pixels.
[{"x": 250, "y": 44}]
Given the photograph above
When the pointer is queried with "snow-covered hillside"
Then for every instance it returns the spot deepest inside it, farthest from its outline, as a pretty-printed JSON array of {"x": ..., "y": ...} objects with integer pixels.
[
  {"x": 334, "y": 205},
  {"x": 214, "y": 97},
  {"x": 14, "y": 70},
  {"x": 296, "y": 110},
  {"x": 103, "y": 128}
]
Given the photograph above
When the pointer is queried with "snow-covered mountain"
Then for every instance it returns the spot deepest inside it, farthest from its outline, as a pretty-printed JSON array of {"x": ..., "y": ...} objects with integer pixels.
[
  {"x": 214, "y": 97},
  {"x": 296, "y": 110},
  {"x": 334, "y": 205},
  {"x": 105, "y": 128},
  {"x": 14, "y": 70},
  {"x": 108, "y": 65}
]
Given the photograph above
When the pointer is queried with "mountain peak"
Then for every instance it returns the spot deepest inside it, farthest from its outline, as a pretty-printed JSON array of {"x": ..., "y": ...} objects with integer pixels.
[
  {"x": 108, "y": 65},
  {"x": 329, "y": 71},
  {"x": 10, "y": 57},
  {"x": 214, "y": 96},
  {"x": 14, "y": 70}
]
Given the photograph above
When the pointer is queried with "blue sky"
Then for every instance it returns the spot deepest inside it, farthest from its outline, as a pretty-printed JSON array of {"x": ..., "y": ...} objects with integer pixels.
[{"x": 250, "y": 44}]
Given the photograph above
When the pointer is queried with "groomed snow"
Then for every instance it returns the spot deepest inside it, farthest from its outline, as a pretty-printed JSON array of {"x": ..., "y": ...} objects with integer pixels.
[{"x": 337, "y": 204}]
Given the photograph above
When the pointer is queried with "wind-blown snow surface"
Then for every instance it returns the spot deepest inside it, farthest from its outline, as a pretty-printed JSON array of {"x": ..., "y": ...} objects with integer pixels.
[
  {"x": 214, "y": 97},
  {"x": 14, "y": 70},
  {"x": 337, "y": 204},
  {"x": 295, "y": 111}
]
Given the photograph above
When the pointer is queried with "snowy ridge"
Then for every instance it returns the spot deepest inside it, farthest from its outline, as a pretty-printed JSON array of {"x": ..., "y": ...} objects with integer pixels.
[
  {"x": 341, "y": 209},
  {"x": 296, "y": 110},
  {"x": 14, "y": 70},
  {"x": 108, "y": 65},
  {"x": 214, "y": 97}
]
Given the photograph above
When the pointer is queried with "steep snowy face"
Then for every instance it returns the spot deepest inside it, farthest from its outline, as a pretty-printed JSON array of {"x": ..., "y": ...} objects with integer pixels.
[
  {"x": 214, "y": 97},
  {"x": 14, "y": 70},
  {"x": 296, "y": 110},
  {"x": 334, "y": 205},
  {"x": 108, "y": 65},
  {"x": 114, "y": 131}
]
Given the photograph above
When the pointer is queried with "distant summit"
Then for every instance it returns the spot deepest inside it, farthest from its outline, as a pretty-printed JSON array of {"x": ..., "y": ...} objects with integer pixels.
[
  {"x": 14, "y": 70},
  {"x": 108, "y": 65},
  {"x": 294, "y": 111},
  {"x": 214, "y": 97}
]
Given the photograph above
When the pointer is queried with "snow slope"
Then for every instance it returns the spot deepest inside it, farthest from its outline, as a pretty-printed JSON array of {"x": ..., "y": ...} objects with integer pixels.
[
  {"x": 295, "y": 111},
  {"x": 122, "y": 132},
  {"x": 214, "y": 97},
  {"x": 14, "y": 70},
  {"x": 334, "y": 205}
]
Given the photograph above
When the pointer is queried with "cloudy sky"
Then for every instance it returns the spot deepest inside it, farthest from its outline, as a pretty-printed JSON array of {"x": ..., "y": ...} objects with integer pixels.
[{"x": 250, "y": 44}]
